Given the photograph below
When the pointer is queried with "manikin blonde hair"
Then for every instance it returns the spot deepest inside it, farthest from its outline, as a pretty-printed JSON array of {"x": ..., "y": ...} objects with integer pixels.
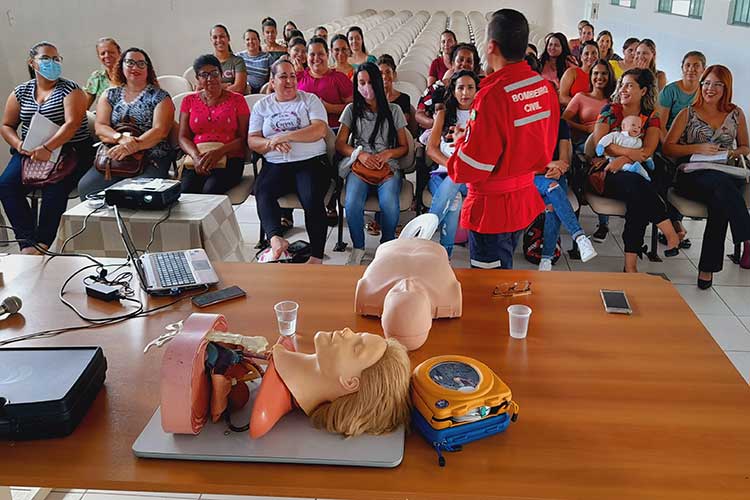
[{"x": 380, "y": 405}]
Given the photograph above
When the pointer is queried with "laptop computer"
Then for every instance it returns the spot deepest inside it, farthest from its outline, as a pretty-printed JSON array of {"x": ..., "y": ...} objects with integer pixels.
[{"x": 167, "y": 273}]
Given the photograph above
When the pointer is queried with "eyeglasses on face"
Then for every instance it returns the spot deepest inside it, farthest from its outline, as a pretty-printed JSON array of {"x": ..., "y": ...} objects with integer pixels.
[
  {"x": 707, "y": 84},
  {"x": 132, "y": 63},
  {"x": 57, "y": 59},
  {"x": 205, "y": 75}
]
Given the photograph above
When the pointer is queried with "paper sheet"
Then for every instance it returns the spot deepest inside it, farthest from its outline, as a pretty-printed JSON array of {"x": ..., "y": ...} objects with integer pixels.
[
  {"x": 720, "y": 157},
  {"x": 41, "y": 129}
]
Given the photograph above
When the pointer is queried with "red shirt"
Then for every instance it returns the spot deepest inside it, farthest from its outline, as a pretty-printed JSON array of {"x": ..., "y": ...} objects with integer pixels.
[
  {"x": 438, "y": 68},
  {"x": 334, "y": 87},
  {"x": 510, "y": 135},
  {"x": 217, "y": 123}
]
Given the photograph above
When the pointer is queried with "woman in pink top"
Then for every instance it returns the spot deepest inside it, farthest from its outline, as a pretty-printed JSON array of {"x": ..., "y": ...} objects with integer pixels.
[
  {"x": 583, "y": 109},
  {"x": 331, "y": 86},
  {"x": 217, "y": 115}
]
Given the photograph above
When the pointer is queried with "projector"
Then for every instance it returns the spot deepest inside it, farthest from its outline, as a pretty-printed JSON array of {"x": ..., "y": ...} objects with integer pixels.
[{"x": 143, "y": 193}]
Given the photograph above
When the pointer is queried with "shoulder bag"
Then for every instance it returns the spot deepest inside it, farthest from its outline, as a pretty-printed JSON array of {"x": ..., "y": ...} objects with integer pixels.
[{"x": 130, "y": 166}]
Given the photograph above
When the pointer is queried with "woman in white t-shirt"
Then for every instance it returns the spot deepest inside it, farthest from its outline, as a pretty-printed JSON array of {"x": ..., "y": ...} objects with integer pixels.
[
  {"x": 288, "y": 128},
  {"x": 379, "y": 137}
]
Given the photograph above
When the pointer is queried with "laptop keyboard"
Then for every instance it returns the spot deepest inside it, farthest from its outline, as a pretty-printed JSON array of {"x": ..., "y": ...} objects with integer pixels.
[{"x": 173, "y": 269}]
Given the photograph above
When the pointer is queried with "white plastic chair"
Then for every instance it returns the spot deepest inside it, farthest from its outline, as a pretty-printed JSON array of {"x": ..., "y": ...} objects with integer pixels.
[
  {"x": 174, "y": 84},
  {"x": 422, "y": 227}
]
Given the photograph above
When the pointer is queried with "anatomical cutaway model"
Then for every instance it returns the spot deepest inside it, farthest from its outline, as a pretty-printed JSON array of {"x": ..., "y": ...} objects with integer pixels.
[
  {"x": 354, "y": 383},
  {"x": 408, "y": 284}
]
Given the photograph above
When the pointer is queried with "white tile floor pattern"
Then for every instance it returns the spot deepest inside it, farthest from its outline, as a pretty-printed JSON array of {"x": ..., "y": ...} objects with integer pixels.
[{"x": 724, "y": 310}]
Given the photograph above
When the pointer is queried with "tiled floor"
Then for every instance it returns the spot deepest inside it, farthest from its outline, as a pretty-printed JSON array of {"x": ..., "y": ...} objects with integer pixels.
[{"x": 724, "y": 309}]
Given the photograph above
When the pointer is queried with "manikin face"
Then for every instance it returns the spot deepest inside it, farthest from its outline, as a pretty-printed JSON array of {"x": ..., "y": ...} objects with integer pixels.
[
  {"x": 632, "y": 125},
  {"x": 345, "y": 354}
]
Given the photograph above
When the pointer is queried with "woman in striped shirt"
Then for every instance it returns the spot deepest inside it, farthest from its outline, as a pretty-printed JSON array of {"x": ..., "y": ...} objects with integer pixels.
[{"x": 64, "y": 103}]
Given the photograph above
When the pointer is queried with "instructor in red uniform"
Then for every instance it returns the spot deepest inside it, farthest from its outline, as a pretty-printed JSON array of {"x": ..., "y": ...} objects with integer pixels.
[{"x": 511, "y": 135}]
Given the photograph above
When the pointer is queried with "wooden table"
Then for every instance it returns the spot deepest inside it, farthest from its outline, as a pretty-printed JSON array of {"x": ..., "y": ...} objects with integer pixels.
[{"x": 612, "y": 406}]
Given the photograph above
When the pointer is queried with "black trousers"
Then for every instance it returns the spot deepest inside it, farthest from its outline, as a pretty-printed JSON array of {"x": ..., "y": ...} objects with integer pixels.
[
  {"x": 722, "y": 195},
  {"x": 309, "y": 180},
  {"x": 643, "y": 205},
  {"x": 219, "y": 181}
]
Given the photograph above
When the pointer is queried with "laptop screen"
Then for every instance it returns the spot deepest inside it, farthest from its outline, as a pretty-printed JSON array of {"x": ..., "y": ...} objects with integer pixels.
[{"x": 130, "y": 247}]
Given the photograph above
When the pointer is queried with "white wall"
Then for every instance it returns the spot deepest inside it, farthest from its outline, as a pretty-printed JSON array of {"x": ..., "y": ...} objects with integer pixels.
[{"x": 673, "y": 35}]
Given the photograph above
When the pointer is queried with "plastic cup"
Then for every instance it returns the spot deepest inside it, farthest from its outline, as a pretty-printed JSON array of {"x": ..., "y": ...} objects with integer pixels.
[
  {"x": 518, "y": 315},
  {"x": 286, "y": 315}
]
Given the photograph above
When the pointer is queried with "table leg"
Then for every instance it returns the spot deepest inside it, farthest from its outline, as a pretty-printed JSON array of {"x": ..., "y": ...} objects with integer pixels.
[{"x": 5, "y": 493}]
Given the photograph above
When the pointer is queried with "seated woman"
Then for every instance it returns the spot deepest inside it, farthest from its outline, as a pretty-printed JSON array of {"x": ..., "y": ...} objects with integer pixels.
[
  {"x": 628, "y": 58},
  {"x": 447, "y": 196},
  {"x": 586, "y": 34},
  {"x": 464, "y": 56},
  {"x": 64, "y": 103},
  {"x": 270, "y": 46},
  {"x": 332, "y": 87},
  {"x": 321, "y": 32},
  {"x": 297, "y": 54},
  {"x": 288, "y": 128},
  {"x": 341, "y": 52},
  {"x": 606, "y": 46},
  {"x": 553, "y": 188},
  {"x": 556, "y": 58},
  {"x": 442, "y": 62},
  {"x": 108, "y": 52},
  {"x": 387, "y": 67},
  {"x": 575, "y": 42},
  {"x": 379, "y": 135},
  {"x": 257, "y": 63},
  {"x": 137, "y": 101},
  {"x": 289, "y": 27},
  {"x": 578, "y": 79},
  {"x": 357, "y": 45},
  {"x": 645, "y": 58},
  {"x": 680, "y": 94},
  {"x": 636, "y": 95},
  {"x": 217, "y": 119},
  {"x": 583, "y": 109},
  {"x": 710, "y": 125},
  {"x": 233, "y": 71}
]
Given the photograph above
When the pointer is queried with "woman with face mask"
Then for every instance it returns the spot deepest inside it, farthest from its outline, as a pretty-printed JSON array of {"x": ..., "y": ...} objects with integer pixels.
[
  {"x": 108, "y": 52},
  {"x": 379, "y": 136},
  {"x": 136, "y": 100},
  {"x": 64, "y": 103},
  {"x": 576, "y": 79}
]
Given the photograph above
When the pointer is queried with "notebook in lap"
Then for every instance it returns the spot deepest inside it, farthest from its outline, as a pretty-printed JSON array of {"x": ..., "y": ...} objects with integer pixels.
[{"x": 165, "y": 273}]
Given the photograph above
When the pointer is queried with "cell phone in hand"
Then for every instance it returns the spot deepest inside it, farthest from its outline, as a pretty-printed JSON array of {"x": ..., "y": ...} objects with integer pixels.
[
  {"x": 211, "y": 298},
  {"x": 615, "y": 302}
]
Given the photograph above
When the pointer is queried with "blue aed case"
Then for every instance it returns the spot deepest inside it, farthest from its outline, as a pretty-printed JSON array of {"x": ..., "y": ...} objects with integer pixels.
[{"x": 457, "y": 400}]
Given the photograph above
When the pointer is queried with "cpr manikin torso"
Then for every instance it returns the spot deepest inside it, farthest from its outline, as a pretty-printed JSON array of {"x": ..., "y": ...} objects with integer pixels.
[{"x": 409, "y": 283}]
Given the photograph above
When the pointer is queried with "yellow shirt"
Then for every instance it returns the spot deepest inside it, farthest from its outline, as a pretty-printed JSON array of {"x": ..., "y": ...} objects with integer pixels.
[{"x": 616, "y": 68}]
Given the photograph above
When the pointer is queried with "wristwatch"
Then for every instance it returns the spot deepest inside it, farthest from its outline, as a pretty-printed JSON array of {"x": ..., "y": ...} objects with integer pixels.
[{"x": 117, "y": 136}]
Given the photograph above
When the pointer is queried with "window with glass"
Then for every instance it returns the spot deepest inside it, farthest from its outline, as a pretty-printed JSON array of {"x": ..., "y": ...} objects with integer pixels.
[
  {"x": 624, "y": 3},
  {"x": 687, "y": 8},
  {"x": 739, "y": 12}
]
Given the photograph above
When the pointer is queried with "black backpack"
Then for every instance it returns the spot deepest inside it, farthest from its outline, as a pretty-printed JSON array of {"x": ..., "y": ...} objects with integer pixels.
[{"x": 533, "y": 239}]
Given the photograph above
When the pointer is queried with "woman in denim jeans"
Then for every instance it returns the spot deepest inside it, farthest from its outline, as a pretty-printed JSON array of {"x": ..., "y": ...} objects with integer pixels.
[
  {"x": 446, "y": 194},
  {"x": 378, "y": 130}
]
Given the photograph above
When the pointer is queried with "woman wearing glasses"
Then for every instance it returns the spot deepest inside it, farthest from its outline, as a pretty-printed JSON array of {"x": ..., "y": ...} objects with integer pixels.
[
  {"x": 64, "y": 103},
  {"x": 712, "y": 125},
  {"x": 137, "y": 101},
  {"x": 213, "y": 122}
]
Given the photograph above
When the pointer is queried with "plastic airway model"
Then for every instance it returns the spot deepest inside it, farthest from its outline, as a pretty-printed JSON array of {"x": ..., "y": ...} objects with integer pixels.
[
  {"x": 409, "y": 283},
  {"x": 267, "y": 256}
]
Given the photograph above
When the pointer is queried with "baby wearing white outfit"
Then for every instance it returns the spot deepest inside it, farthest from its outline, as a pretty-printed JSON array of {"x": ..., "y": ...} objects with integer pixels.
[{"x": 629, "y": 137}]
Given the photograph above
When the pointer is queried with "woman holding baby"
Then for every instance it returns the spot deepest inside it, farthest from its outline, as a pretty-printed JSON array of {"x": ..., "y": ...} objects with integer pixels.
[{"x": 635, "y": 96}]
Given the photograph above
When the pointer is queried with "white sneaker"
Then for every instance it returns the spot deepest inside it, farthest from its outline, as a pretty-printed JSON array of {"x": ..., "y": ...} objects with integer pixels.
[
  {"x": 585, "y": 248},
  {"x": 545, "y": 265},
  {"x": 355, "y": 258}
]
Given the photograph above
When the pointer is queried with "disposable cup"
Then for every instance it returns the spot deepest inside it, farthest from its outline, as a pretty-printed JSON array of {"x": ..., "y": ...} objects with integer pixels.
[
  {"x": 286, "y": 315},
  {"x": 518, "y": 315}
]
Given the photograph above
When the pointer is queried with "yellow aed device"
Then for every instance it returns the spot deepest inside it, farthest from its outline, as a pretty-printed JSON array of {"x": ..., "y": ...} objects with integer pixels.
[{"x": 453, "y": 390}]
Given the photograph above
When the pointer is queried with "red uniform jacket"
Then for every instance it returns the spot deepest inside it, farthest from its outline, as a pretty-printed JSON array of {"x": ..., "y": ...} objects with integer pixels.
[{"x": 510, "y": 135}]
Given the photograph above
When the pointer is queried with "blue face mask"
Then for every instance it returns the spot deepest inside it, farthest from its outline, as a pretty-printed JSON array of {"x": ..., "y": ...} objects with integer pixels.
[{"x": 49, "y": 69}]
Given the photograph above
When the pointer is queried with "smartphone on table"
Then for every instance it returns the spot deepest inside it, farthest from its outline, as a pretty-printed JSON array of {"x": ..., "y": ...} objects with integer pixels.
[
  {"x": 616, "y": 302},
  {"x": 211, "y": 298}
]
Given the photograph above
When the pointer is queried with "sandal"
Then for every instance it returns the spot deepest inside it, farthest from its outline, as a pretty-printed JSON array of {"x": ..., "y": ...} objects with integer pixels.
[
  {"x": 684, "y": 244},
  {"x": 286, "y": 225},
  {"x": 373, "y": 228}
]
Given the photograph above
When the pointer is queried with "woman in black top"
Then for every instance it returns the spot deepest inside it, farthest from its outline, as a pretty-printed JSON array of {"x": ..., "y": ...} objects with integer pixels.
[
  {"x": 387, "y": 67},
  {"x": 64, "y": 103}
]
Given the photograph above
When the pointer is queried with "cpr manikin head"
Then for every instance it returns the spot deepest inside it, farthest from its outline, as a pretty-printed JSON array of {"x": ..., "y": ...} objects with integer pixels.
[
  {"x": 407, "y": 314},
  {"x": 632, "y": 125},
  {"x": 355, "y": 383}
]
